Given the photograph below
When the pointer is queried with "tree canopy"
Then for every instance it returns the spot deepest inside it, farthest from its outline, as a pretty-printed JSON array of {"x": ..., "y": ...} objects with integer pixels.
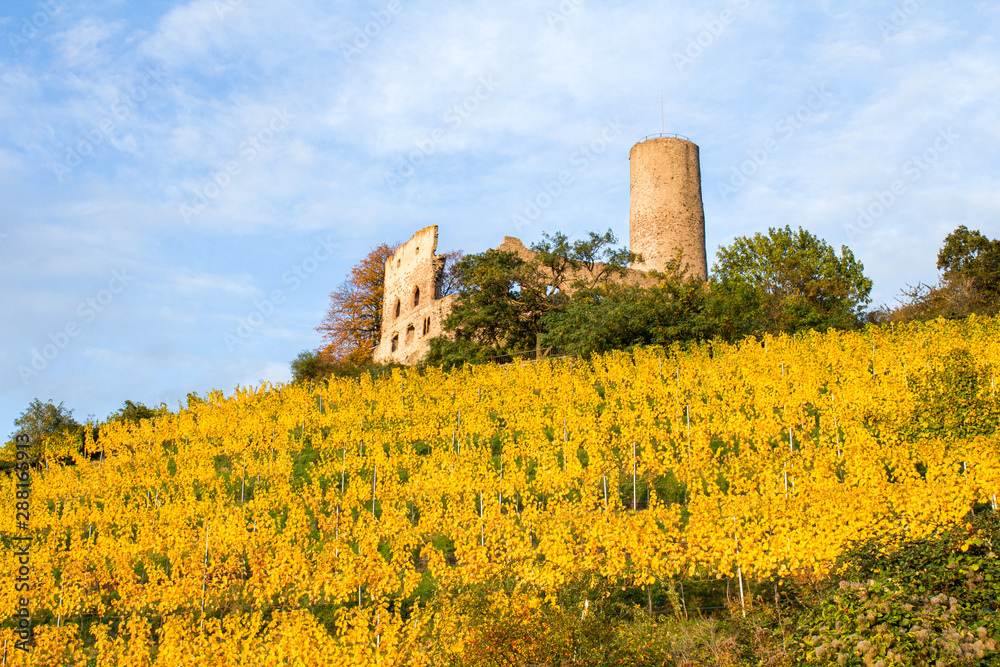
[
  {"x": 134, "y": 412},
  {"x": 353, "y": 324},
  {"x": 974, "y": 257},
  {"x": 51, "y": 427},
  {"x": 678, "y": 309},
  {"x": 571, "y": 296},
  {"x": 969, "y": 283},
  {"x": 503, "y": 299},
  {"x": 802, "y": 282}
]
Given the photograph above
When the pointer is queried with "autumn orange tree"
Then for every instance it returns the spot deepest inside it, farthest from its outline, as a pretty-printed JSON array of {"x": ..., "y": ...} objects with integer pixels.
[{"x": 353, "y": 324}]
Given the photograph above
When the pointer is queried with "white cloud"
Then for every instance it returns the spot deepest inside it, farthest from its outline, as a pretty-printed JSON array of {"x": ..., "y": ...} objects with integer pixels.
[{"x": 82, "y": 46}]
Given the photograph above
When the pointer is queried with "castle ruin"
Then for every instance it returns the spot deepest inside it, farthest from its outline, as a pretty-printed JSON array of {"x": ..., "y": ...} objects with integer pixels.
[{"x": 666, "y": 216}]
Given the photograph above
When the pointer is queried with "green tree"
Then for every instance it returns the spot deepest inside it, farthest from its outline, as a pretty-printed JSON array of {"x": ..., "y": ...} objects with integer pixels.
[
  {"x": 619, "y": 317},
  {"x": 974, "y": 257},
  {"x": 504, "y": 299},
  {"x": 51, "y": 427},
  {"x": 677, "y": 310},
  {"x": 311, "y": 366},
  {"x": 314, "y": 366},
  {"x": 135, "y": 412},
  {"x": 970, "y": 282},
  {"x": 801, "y": 281},
  {"x": 501, "y": 300},
  {"x": 584, "y": 263}
]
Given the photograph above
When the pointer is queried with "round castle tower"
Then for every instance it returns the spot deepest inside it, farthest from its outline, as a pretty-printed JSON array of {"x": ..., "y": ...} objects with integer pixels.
[{"x": 666, "y": 210}]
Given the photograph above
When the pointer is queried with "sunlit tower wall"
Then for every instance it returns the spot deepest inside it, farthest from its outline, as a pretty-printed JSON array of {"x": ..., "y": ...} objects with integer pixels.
[{"x": 666, "y": 211}]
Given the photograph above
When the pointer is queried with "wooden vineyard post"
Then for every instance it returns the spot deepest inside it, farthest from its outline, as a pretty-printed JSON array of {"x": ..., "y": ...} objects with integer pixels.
[
  {"x": 633, "y": 475},
  {"x": 739, "y": 568},
  {"x": 687, "y": 410},
  {"x": 683, "y": 601},
  {"x": 605, "y": 480},
  {"x": 204, "y": 578},
  {"x": 836, "y": 428}
]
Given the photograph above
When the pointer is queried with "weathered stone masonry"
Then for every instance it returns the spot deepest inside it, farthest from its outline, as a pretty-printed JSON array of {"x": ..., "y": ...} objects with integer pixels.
[
  {"x": 666, "y": 212},
  {"x": 412, "y": 306},
  {"x": 666, "y": 215}
]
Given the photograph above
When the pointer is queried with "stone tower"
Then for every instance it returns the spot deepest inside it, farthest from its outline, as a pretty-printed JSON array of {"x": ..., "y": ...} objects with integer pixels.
[{"x": 666, "y": 209}]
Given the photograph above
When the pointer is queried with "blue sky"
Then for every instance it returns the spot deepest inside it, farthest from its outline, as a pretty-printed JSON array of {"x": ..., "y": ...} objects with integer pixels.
[{"x": 182, "y": 184}]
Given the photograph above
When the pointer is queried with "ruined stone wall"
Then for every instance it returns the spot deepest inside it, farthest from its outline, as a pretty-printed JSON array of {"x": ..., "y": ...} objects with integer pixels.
[
  {"x": 411, "y": 313},
  {"x": 666, "y": 206}
]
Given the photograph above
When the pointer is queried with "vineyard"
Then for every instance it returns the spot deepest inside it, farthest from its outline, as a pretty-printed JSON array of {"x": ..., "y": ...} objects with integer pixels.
[{"x": 339, "y": 523}]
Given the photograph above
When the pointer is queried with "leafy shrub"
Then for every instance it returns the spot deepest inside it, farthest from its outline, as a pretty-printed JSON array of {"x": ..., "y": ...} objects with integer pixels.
[
  {"x": 875, "y": 624},
  {"x": 931, "y": 601}
]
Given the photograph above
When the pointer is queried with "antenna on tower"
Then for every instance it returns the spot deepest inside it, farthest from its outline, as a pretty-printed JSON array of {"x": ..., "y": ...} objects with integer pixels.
[{"x": 662, "y": 126}]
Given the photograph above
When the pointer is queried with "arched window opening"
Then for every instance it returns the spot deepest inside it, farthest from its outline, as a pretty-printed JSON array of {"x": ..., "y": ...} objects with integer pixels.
[
  {"x": 410, "y": 332},
  {"x": 427, "y": 326},
  {"x": 395, "y": 342},
  {"x": 397, "y": 308},
  {"x": 416, "y": 296}
]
